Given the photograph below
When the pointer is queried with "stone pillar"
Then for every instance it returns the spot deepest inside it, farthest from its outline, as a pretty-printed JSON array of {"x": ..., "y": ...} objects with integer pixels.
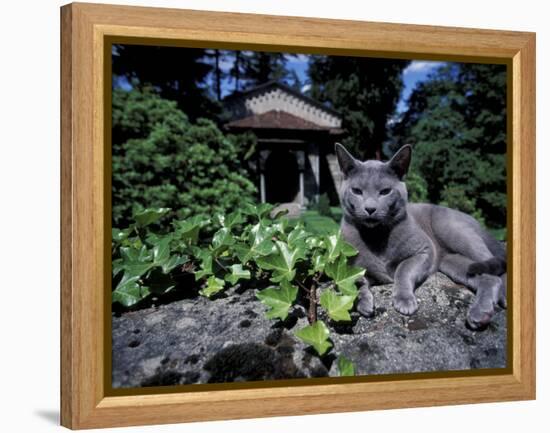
[
  {"x": 264, "y": 154},
  {"x": 301, "y": 160},
  {"x": 262, "y": 187},
  {"x": 315, "y": 162}
]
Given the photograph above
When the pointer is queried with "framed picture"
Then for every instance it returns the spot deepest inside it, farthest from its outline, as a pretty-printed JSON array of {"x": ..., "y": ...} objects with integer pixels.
[{"x": 265, "y": 215}]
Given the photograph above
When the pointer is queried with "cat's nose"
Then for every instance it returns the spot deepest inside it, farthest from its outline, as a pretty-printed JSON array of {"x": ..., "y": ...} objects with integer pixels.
[{"x": 370, "y": 210}]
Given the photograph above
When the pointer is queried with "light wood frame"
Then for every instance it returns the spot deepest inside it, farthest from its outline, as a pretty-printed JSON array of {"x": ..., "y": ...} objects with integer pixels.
[{"x": 85, "y": 402}]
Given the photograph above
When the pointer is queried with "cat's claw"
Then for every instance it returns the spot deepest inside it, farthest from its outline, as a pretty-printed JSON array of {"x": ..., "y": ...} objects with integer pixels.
[{"x": 404, "y": 304}]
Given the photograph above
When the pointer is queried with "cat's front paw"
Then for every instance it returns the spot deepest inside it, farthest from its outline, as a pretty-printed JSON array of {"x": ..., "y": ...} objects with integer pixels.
[
  {"x": 365, "y": 306},
  {"x": 405, "y": 304}
]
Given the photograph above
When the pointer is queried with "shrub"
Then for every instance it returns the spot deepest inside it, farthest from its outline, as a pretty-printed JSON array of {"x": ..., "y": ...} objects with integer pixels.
[
  {"x": 417, "y": 187},
  {"x": 162, "y": 160}
]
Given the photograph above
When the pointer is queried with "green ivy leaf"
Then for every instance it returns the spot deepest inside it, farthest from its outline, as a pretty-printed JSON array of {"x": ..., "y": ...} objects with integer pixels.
[
  {"x": 131, "y": 254},
  {"x": 345, "y": 366},
  {"x": 314, "y": 242},
  {"x": 237, "y": 273},
  {"x": 119, "y": 235},
  {"x": 129, "y": 292},
  {"x": 149, "y": 216},
  {"x": 188, "y": 230},
  {"x": 316, "y": 335},
  {"x": 206, "y": 264},
  {"x": 336, "y": 246},
  {"x": 259, "y": 233},
  {"x": 117, "y": 266},
  {"x": 278, "y": 300},
  {"x": 282, "y": 262},
  {"x": 213, "y": 286},
  {"x": 161, "y": 251},
  {"x": 297, "y": 236},
  {"x": 221, "y": 240},
  {"x": 344, "y": 275},
  {"x": 230, "y": 220},
  {"x": 279, "y": 226},
  {"x": 318, "y": 261},
  {"x": 259, "y": 210},
  {"x": 135, "y": 262},
  {"x": 174, "y": 261},
  {"x": 337, "y": 305},
  {"x": 245, "y": 253}
]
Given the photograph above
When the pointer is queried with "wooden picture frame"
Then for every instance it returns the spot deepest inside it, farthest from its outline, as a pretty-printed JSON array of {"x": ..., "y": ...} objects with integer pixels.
[{"x": 86, "y": 30}]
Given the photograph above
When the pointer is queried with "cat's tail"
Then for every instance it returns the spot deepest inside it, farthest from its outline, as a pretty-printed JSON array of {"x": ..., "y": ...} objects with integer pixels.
[{"x": 492, "y": 266}]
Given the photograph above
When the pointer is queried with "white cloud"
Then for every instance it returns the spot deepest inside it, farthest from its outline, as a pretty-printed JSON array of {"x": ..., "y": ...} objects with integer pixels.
[
  {"x": 297, "y": 58},
  {"x": 227, "y": 63},
  {"x": 422, "y": 66}
]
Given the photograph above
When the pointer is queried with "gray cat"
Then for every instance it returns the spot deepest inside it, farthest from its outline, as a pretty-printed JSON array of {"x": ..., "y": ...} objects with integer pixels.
[{"x": 405, "y": 243}]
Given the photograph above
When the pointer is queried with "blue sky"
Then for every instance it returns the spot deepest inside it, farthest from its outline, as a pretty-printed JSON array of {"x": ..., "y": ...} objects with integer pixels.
[{"x": 416, "y": 72}]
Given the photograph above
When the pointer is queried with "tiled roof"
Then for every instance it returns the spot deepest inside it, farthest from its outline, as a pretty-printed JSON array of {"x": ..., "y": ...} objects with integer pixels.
[
  {"x": 275, "y": 119},
  {"x": 276, "y": 84}
]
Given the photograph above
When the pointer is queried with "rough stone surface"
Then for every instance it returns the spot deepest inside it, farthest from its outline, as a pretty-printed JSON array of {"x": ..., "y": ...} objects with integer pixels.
[{"x": 229, "y": 339}]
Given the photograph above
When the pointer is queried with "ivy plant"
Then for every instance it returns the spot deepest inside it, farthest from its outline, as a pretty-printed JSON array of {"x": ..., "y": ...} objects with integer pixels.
[{"x": 277, "y": 256}]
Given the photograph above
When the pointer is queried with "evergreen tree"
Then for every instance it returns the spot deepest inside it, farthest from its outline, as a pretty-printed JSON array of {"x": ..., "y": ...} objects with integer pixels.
[
  {"x": 261, "y": 67},
  {"x": 237, "y": 71},
  {"x": 365, "y": 91},
  {"x": 177, "y": 74},
  {"x": 456, "y": 121}
]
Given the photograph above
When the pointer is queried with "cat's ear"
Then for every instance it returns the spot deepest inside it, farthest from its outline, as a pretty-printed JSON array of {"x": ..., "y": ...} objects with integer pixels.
[
  {"x": 346, "y": 162},
  {"x": 401, "y": 161}
]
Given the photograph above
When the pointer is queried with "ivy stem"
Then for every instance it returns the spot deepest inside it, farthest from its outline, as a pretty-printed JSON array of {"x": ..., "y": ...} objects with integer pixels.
[
  {"x": 221, "y": 265},
  {"x": 312, "y": 313}
]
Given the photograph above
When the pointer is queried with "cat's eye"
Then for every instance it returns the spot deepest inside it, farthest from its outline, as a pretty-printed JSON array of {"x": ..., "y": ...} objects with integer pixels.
[
  {"x": 385, "y": 191},
  {"x": 357, "y": 191}
]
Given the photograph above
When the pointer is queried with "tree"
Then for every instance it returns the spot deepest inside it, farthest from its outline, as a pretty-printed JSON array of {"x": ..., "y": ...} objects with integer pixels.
[
  {"x": 237, "y": 70},
  {"x": 161, "y": 159},
  {"x": 365, "y": 91},
  {"x": 217, "y": 57},
  {"x": 456, "y": 121},
  {"x": 178, "y": 74},
  {"x": 261, "y": 67}
]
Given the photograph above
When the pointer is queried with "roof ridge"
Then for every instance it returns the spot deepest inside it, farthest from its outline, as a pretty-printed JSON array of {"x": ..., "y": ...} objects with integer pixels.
[{"x": 286, "y": 88}]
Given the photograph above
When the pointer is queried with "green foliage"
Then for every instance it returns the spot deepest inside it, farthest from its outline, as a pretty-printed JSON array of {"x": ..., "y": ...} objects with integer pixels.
[
  {"x": 277, "y": 257},
  {"x": 176, "y": 74},
  {"x": 213, "y": 286},
  {"x": 345, "y": 366},
  {"x": 261, "y": 67},
  {"x": 316, "y": 335},
  {"x": 456, "y": 122},
  {"x": 344, "y": 275},
  {"x": 320, "y": 224},
  {"x": 278, "y": 300},
  {"x": 160, "y": 159},
  {"x": 416, "y": 187},
  {"x": 337, "y": 306}
]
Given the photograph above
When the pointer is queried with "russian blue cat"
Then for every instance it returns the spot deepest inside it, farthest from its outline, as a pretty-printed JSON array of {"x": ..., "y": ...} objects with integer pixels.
[{"x": 404, "y": 243}]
